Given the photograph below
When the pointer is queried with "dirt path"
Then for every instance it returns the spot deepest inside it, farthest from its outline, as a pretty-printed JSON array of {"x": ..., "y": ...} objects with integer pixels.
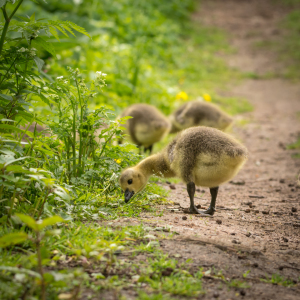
[
  {"x": 255, "y": 232},
  {"x": 259, "y": 214}
]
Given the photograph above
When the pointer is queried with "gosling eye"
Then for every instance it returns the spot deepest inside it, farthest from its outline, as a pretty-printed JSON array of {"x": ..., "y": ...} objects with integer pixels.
[{"x": 129, "y": 181}]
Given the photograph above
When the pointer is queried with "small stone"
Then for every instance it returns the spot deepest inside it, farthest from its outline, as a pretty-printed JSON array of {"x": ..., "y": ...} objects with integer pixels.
[
  {"x": 291, "y": 184},
  {"x": 265, "y": 212},
  {"x": 168, "y": 182},
  {"x": 280, "y": 268},
  {"x": 237, "y": 182},
  {"x": 283, "y": 200},
  {"x": 294, "y": 209},
  {"x": 198, "y": 206},
  {"x": 218, "y": 221},
  {"x": 285, "y": 240},
  {"x": 216, "y": 294},
  {"x": 242, "y": 293},
  {"x": 282, "y": 181},
  {"x": 256, "y": 211},
  {"x": 248, "y": 203},
  {"x": 241, "y": 256},
  {"x": 184, "y": 218},
  {"x": 235, "y": 242},
  {"x": 198, "y": 190},
  {"x": 232, "y": 233},
  {"x": 255, "y": 265},
  {"x": 247, "y": 210},
  {"x": 167, "y": 272},
  {"x": 172, "y": 186},
  {"x": 248, "y": 234}
]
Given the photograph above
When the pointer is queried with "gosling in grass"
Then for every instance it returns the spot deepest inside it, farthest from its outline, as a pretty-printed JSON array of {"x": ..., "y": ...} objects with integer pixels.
[
  {"x": 199, "y": 113},
  {"x": 147, "y": 125},
  {"x": 201, "y": 156}
]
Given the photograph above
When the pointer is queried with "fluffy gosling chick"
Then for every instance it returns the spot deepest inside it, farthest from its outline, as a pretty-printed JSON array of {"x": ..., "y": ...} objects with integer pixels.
[
  {"x": 147, "y": 126},
  {"x": 199, "y": 113},
  {"x": 199, "y": 156}
]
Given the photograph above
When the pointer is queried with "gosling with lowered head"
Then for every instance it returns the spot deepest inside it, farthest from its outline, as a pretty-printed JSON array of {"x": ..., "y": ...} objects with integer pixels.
[
  {"x": 199, "y": 156},
  {"x": 147, "y": 126},
  {"x": 199, "y": 113}
]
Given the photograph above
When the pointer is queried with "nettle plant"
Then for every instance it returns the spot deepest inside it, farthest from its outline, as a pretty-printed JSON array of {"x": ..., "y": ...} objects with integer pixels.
[
  {"x": 36, "y": 171},
  {"x": 87, "y": 154},
  {"x": 20, "y": 65}
]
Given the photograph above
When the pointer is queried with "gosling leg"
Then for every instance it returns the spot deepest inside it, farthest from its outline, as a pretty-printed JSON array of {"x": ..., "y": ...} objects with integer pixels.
[
  {"x": 140, "y": 149},
  {"x": 191, "y": 191},
  {"x": 149, "y": 148},
  {"x": 214, "y": 193}
]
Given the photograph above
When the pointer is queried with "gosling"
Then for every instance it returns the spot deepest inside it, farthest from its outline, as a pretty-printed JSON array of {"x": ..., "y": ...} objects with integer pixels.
[
  {"x": 199, "y": 113},
  {"x": 147, "y": 126},
  {"x": 201, "y": 156}
]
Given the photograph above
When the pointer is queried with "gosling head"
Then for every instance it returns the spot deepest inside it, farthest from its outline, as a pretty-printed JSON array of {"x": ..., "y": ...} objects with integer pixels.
[{"x": 131, "y": 182}]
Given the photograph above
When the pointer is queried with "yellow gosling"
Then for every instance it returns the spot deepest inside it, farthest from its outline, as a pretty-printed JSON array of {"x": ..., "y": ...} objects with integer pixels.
[
  {"x": 147, "y": 126},
  {"x": 201, "y": 156},
  {"x": 199, "y": 113}
]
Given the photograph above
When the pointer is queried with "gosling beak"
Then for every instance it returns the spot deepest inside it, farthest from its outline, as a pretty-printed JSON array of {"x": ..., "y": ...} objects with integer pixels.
[{"x": 128, "y": 195}]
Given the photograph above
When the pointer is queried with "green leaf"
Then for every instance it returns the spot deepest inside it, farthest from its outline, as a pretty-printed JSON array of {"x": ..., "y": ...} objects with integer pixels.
[
  {"x": 12, "y": 239},
  {"x": 77, "y": 28},
  {"x": 53, "y": 31},
  {"x": 39, "y": 62},
  {"x": 7, "y": 120},
  {"x": 14, "y": 160},
  {"x": 45, "y": 99},
  {"x": 20, "y": 270},
  {"x": 46, "y": 45},
  {"x": 62, "y": 193},
  {"x": 11, "y": 127},
  {"x": 6, "y": 97},
  {"x": 50, "y": 221},
  {"x": 32, "y": 18},
  {"x": 62, "y": 30},
  {"x": 29, "y": 221},
  {"x": 17, "y": 169}
]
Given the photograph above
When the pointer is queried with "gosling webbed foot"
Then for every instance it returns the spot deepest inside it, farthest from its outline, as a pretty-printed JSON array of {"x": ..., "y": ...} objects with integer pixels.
[
  {"x": 194, "y": 210},
  {"x": 210, "y": 211}
]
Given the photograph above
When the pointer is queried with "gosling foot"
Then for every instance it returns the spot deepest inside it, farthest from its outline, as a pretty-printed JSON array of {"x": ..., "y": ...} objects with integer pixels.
[
  {"x": 194, "y": 210},
  {"x": 210, "y": 211}
]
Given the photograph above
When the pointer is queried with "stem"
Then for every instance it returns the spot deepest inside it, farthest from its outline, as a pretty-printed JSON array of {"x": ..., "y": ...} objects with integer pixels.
[
  {"x": 43, "y": 203},
  {"x": 7, "y": 21},
  {"x": 74, "y": 139},
  {"x": 41, "y": 271},
  {"x": 11, "y": 205},
  {"x": 68, "y": 158},
  {"x": 4, "y": 31},
  {"x": 80, "y": 131},
  {"x": 16, "y": 8},
  {"x": 9, "y": 70}
]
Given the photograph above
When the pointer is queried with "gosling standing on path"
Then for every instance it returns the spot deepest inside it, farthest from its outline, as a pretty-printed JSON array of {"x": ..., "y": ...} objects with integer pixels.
[
  {"x": 147, "y": 126},
  {"x": 199, "y": 156},
  {"x": 199, "y": 113}
]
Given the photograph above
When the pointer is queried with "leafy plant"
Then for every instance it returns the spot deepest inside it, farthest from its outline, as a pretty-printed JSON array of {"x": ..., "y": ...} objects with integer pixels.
[{"x": 43, "y": 279}]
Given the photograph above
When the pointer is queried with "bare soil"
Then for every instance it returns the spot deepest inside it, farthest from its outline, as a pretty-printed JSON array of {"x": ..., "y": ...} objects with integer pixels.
[{"x": 257, "y": 223}]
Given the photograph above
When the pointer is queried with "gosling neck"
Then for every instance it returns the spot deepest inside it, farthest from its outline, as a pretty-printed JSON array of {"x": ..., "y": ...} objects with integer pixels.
[{"x": 155, "y": 165}]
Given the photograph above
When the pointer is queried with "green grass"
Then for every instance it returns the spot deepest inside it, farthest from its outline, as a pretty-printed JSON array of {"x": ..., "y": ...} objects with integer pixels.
[
  {"x": 278, "y": 280},
  {"x": 295, "y": 145}
]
